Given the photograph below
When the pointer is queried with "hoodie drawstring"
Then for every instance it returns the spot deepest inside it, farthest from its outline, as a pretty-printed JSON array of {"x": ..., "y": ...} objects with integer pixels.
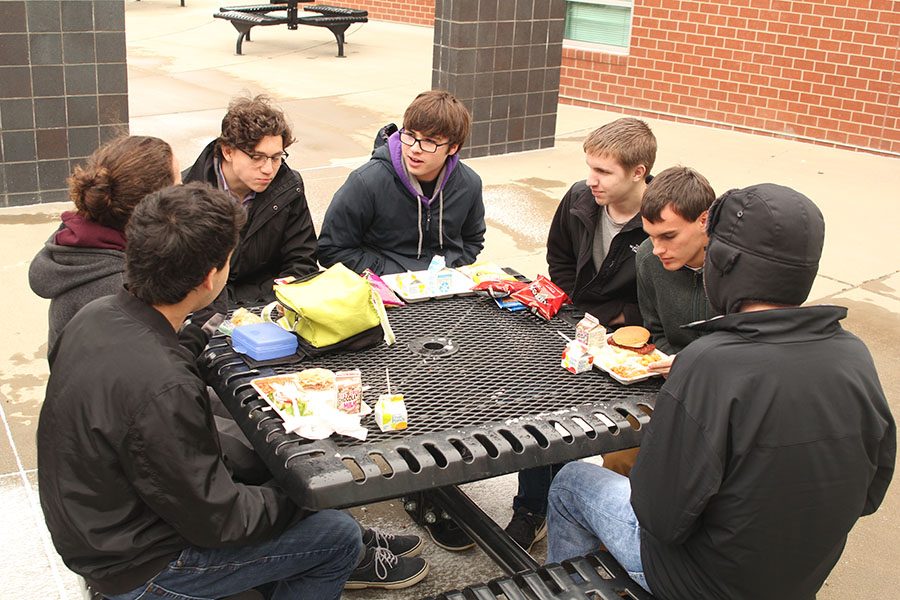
[
  {"x": 419, "y": 204},
  {"x": 441, "y": 221}
]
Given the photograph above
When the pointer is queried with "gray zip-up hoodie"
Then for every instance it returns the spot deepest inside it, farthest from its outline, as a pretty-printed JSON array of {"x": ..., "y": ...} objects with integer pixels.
[{"x": 381, "y": 220}]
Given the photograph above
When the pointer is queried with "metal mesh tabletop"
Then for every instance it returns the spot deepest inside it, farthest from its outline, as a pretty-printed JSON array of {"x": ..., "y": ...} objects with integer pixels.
[{"x": 485, "y": 395}]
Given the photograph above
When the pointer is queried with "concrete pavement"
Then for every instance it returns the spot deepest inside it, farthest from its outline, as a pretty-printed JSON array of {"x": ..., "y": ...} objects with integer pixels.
[{"x": 182, "y": 72}]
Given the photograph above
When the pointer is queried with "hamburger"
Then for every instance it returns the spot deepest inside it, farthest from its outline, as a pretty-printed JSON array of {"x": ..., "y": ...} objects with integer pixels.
[{"x": 634, "y": 338}]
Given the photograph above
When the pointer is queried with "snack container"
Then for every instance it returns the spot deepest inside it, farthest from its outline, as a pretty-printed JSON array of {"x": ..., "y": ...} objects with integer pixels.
[
  {"x": 390, "y": 412},
  {"x": 576, "y": 358},
  {"x": 263, "y": 341},
  {"x": 349, "y": 391}
]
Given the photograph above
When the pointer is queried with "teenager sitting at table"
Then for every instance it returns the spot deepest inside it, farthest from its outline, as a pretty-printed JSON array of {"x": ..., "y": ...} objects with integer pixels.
[
  {"x": 669, "y": 263},
  {"x": 590, "y": 255},
  {"x": 412, "y": 200},
  {"x": 769, "y": 439},
  {"x": 249, "y": 161},
  {"x": 85, "y": 258},
  {"x": 133, "y": 488}
]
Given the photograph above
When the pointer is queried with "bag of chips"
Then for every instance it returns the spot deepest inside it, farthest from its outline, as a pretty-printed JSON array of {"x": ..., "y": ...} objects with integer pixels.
[{"x": 542, "y": 296}]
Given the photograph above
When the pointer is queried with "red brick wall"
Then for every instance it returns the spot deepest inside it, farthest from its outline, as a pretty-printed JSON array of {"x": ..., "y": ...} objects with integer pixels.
[
  {"x": 416, "y": 12},
  {"x": 826, "y": 71},
  {"x": 822, "y": 71}
]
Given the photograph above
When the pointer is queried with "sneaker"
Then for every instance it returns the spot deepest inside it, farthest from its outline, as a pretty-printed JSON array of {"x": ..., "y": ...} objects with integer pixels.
[
  {"x": 379, "y": 568},
  {"x": 399, "y": 545},
  {"x": 526, "y": 528},
  {"x": 447, "y": 534}
]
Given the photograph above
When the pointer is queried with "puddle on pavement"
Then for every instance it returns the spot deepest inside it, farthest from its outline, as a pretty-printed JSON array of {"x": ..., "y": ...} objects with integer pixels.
[
  {"x": 523, "y": 212},
  {"x": 542, "y": 184}
]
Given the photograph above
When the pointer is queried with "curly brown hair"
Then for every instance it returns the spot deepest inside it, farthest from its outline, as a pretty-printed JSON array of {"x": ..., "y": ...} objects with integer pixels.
[
  {"x": 117, "y": 176},
  {"x": 249, "y": 120}
]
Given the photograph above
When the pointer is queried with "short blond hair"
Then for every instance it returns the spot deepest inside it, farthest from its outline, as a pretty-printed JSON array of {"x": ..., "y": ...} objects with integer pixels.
[{"x": 628, "y": 140}]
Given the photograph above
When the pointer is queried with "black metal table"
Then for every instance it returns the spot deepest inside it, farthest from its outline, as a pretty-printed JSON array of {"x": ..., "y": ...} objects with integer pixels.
[{"x": 493, "y": 401}]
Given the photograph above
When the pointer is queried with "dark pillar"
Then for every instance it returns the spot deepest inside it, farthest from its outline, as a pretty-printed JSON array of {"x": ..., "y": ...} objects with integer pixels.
[
  {"x": 502, "y": 58},
  {"x": 63, "y": 91}
]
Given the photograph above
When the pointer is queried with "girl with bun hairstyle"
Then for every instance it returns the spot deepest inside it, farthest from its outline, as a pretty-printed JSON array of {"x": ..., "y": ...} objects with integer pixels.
[{"x": 85, "y": 258}]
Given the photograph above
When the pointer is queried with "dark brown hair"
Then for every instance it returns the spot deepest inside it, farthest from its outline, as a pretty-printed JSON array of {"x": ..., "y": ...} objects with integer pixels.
[
  {"x": 685, "y": 189},
  {"x": 627, "y": 140},
  {"x": 175, "y": 237},
  {"x": 249, "y": 120},
  {"x": 117, "y": 176},
  {"x": 437, "y": 113}
]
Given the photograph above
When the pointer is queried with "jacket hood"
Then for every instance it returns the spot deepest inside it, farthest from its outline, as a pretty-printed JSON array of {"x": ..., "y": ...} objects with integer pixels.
[
  {"x": 765, "y": 242},
  {"x": 83, "y": 233},
  {"x": 58, "y": 269},
  {"x": 410, "y": 183},
  {"x": 778, "y": 325}
]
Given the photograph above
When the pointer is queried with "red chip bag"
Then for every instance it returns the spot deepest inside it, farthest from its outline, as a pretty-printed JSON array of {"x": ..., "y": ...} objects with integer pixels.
[
  {"x": 542, "y": 296},
  {"x": 496, "y": 288}
]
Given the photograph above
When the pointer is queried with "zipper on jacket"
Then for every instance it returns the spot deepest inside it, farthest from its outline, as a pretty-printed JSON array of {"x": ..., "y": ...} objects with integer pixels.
[{"x": 428, "y": 219}]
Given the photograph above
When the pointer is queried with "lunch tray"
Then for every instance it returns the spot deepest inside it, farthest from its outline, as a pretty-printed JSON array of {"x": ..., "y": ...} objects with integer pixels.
[{"x": 485, "y": 395}]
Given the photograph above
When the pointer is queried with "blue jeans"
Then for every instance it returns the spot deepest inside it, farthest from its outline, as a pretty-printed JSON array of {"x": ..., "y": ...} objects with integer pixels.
[
  {"x": 310, "y": 559},
  {"x": 589, "y": 505}
]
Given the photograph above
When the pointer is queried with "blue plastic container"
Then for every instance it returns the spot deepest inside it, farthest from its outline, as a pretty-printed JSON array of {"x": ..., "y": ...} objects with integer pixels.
[{"x": 263, "y": 341}]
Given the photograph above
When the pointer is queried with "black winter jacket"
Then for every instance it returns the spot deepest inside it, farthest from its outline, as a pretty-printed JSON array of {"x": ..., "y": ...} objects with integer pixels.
[
  {"x": 278, "y": 240},
  {"x": 770, "y": 438},
  {"x": 128, "y": 458},
  {"x": 613, "y": 290},
  {"x": 374, "y": 222}
]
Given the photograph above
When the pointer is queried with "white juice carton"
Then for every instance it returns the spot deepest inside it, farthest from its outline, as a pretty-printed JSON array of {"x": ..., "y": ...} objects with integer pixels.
[
  {"x": 576, "y": 358},
  {"x": 390, "y": 412}
]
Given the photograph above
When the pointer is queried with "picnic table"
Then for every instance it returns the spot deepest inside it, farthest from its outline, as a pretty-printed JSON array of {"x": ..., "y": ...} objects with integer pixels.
[
  {"x": 485, "y": 396},
  {"x": 334, "y": 18}
]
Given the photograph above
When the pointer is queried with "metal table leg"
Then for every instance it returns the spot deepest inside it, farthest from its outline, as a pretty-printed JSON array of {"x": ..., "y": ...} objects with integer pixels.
[{"x": 495, "y": 542}]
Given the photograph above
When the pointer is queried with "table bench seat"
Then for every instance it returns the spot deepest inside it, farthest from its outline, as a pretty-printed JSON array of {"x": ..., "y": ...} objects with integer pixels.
[
  {"x": 600, "y": 578},
  {"x": 334, "y": 18}
]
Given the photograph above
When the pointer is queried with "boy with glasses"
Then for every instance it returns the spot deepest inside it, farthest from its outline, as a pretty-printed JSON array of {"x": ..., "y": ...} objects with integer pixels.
[
  {"x": 248, "y": 161},
  {"x": 413, "y": 200}
]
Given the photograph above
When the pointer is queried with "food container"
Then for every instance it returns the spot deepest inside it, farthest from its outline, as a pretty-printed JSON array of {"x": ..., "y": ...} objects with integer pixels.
[
  {"x": 349, "y": 391},
  {"x": 576, "y": 358},
  {"x": 591, "y": 333},
  {"x": 263, "y": 341},
  {"x": 319, "y": 386},
  {"x": 390, "y": 412}
]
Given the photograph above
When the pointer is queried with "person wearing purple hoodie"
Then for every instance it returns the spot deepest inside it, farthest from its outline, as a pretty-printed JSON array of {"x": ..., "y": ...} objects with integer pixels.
[
  {"x": 85, "y": 258},
  {"x": 412, "y": 200}
]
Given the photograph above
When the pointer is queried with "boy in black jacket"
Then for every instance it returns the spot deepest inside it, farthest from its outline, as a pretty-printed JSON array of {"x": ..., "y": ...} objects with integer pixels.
[
  {"x": 248, "y": 160},
  {"x": 590, "y": 253},
  {"x": 412, "y": 200},
  {"x": 770, "y": 438},
  {"x": 132, "y": 484}
]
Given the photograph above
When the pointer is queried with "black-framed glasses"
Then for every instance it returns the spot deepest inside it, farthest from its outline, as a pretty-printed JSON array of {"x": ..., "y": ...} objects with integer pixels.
[
  {"x": 257, "y": 159},
  {"x": 430, "y": 146}
]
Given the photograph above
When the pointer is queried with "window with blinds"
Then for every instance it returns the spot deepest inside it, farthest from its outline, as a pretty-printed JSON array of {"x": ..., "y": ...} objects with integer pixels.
[{"x": 606, "y": 22}]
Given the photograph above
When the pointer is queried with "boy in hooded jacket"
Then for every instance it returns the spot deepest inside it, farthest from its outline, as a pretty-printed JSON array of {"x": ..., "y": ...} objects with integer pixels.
[{"x": 412, "y": 200}]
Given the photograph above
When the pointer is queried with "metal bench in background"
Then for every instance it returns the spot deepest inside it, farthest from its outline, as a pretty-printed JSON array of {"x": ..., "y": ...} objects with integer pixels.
[
  {"x": 594, "y": 577},
  {"x": 334, "y": 18}
]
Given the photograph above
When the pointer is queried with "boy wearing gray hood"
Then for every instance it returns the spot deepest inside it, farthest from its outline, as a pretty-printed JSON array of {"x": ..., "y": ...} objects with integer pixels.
[{"x": 413, "y": 200}]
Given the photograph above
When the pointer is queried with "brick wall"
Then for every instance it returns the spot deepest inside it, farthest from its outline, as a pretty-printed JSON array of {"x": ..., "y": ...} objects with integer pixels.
[
  {"x": 822, "y": 71},
  {"x": 416, "y": 12},
  {"x": 825, "y": 72}
]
